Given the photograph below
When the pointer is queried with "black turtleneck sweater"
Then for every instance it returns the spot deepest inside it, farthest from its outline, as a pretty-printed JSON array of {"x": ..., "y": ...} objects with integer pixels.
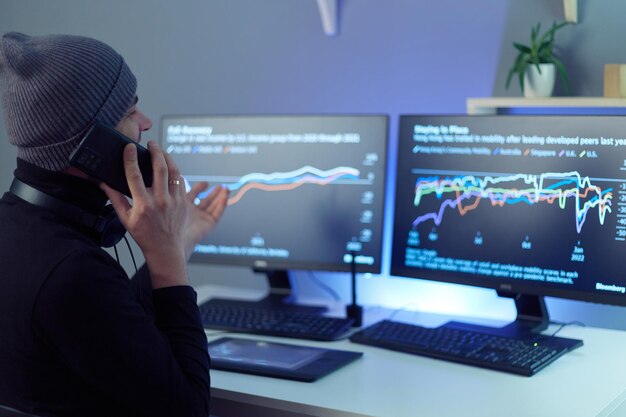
[{"x": 77, "y": 338}]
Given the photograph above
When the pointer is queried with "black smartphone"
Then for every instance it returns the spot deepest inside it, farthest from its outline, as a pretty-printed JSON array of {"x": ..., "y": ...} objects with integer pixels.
[{"x": 100, "y": 154}]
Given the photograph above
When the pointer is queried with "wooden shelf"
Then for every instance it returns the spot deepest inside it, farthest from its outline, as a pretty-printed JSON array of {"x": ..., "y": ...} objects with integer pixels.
[{"x": 490, "y": 105}]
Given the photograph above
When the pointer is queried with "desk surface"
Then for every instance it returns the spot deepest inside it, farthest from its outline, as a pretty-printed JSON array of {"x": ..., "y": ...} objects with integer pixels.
[{"x": 390, "y": 384}]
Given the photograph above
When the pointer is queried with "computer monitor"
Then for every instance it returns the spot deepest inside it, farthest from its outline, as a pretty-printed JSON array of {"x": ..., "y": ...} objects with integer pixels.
[
  {"x": 306, "y": 191},
  {"x": 531, "y": 206}
]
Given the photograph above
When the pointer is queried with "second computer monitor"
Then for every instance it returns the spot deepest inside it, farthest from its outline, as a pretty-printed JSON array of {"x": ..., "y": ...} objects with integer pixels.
[
  {"x": 306, "y": 192},
  {"x": 523, "y": 204}
]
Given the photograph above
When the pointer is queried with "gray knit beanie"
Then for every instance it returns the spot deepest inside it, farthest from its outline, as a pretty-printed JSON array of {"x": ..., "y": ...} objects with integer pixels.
[{"x": 54, "y": 88}]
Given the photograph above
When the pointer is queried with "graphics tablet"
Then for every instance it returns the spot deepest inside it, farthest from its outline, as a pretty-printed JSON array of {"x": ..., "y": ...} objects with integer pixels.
[{"x": 279, "y": 360}]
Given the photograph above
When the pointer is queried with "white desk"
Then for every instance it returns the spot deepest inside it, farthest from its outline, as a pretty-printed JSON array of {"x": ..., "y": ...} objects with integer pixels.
[{"x": 383, "y": 383}]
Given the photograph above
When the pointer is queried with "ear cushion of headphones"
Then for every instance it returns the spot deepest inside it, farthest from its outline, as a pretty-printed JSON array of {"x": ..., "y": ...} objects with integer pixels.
[
  {"x": 106, "y": 226},
  {"x": 112, "y": 228}
]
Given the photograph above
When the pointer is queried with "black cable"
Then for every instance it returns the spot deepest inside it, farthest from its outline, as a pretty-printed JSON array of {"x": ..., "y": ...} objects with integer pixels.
[
  {"x": 139, "y": 283},
  {"x": 131, "y": 253},
  {"x": 403, "y": 309},
  {"x": 324, "y": 286},
  {"x": 354, "y": 311},
  {"x": 117, "y": 256},
  {"x": 353, "y": 276},
  {"x": 562, "y": 325}
]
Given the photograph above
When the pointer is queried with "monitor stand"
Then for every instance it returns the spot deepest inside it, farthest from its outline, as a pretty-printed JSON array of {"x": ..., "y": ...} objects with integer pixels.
[
  {"x": 281, "y": 295},
  {"x": 532, "y": 318}
]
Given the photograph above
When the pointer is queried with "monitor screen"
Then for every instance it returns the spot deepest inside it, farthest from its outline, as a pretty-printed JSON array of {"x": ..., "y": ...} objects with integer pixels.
[
  {"x": 523, "y": 204},
  {"x": 306, "y": 192}
]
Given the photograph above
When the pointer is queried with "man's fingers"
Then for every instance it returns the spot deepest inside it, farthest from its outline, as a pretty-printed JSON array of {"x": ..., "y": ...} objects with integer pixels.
[
  {"x": 206, "y": 201},
  {"x": 197, "y": 188},
  {"x": 133, "y": 174},
  {"x": 159, "y": 169},
  {"x": 173, "y": 174},
  {"x": 217, "y": 204}
]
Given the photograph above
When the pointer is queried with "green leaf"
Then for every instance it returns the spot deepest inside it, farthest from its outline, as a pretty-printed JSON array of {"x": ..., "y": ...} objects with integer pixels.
[
  {"x": 509, "y": 77},
  {"x": 534, "y": 32},
  {"x": 539, "y": 51},
  {"x": 521, "y": 48},
  {"x": 563, "y": 74}
]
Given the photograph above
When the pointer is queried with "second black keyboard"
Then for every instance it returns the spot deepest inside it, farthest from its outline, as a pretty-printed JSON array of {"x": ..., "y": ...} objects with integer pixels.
[
  {"x": 525, "y": 356},
  {"x": 273, "y": 322}
]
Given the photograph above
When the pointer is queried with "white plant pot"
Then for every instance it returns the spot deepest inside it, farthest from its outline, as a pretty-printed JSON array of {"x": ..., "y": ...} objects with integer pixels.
[{"x": 538, "y": 84}]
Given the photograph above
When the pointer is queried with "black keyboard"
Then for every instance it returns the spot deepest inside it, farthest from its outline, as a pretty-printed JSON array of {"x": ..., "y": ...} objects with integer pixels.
[
  {"x": 242, "y": 318},
  {"x": 524, "y": 356}
]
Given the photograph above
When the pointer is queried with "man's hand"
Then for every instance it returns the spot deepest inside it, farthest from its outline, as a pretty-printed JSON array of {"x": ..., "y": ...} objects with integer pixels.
[
  {"x": 157, "y": 218},
  {"x": 202, "y": 218}
]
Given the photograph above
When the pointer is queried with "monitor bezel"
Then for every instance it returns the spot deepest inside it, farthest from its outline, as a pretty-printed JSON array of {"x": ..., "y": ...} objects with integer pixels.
[
  {"x": 263, "y": 264},
  {"x": 499, "y": 284}
]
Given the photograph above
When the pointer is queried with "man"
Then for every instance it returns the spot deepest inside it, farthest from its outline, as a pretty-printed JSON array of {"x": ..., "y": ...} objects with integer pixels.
[{"x": 77, "y": 337}]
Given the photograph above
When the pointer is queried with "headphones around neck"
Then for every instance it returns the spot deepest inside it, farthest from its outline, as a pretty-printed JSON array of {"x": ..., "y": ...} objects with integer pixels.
[{"x": 106, "y": 225}]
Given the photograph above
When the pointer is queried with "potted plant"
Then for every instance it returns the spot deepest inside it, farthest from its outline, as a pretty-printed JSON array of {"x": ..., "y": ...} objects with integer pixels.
[{"x": 535, "y": 64}]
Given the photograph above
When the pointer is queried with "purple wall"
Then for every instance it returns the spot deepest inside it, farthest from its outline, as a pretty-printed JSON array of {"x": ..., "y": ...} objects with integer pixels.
[{"x": 271, "y": 56}]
